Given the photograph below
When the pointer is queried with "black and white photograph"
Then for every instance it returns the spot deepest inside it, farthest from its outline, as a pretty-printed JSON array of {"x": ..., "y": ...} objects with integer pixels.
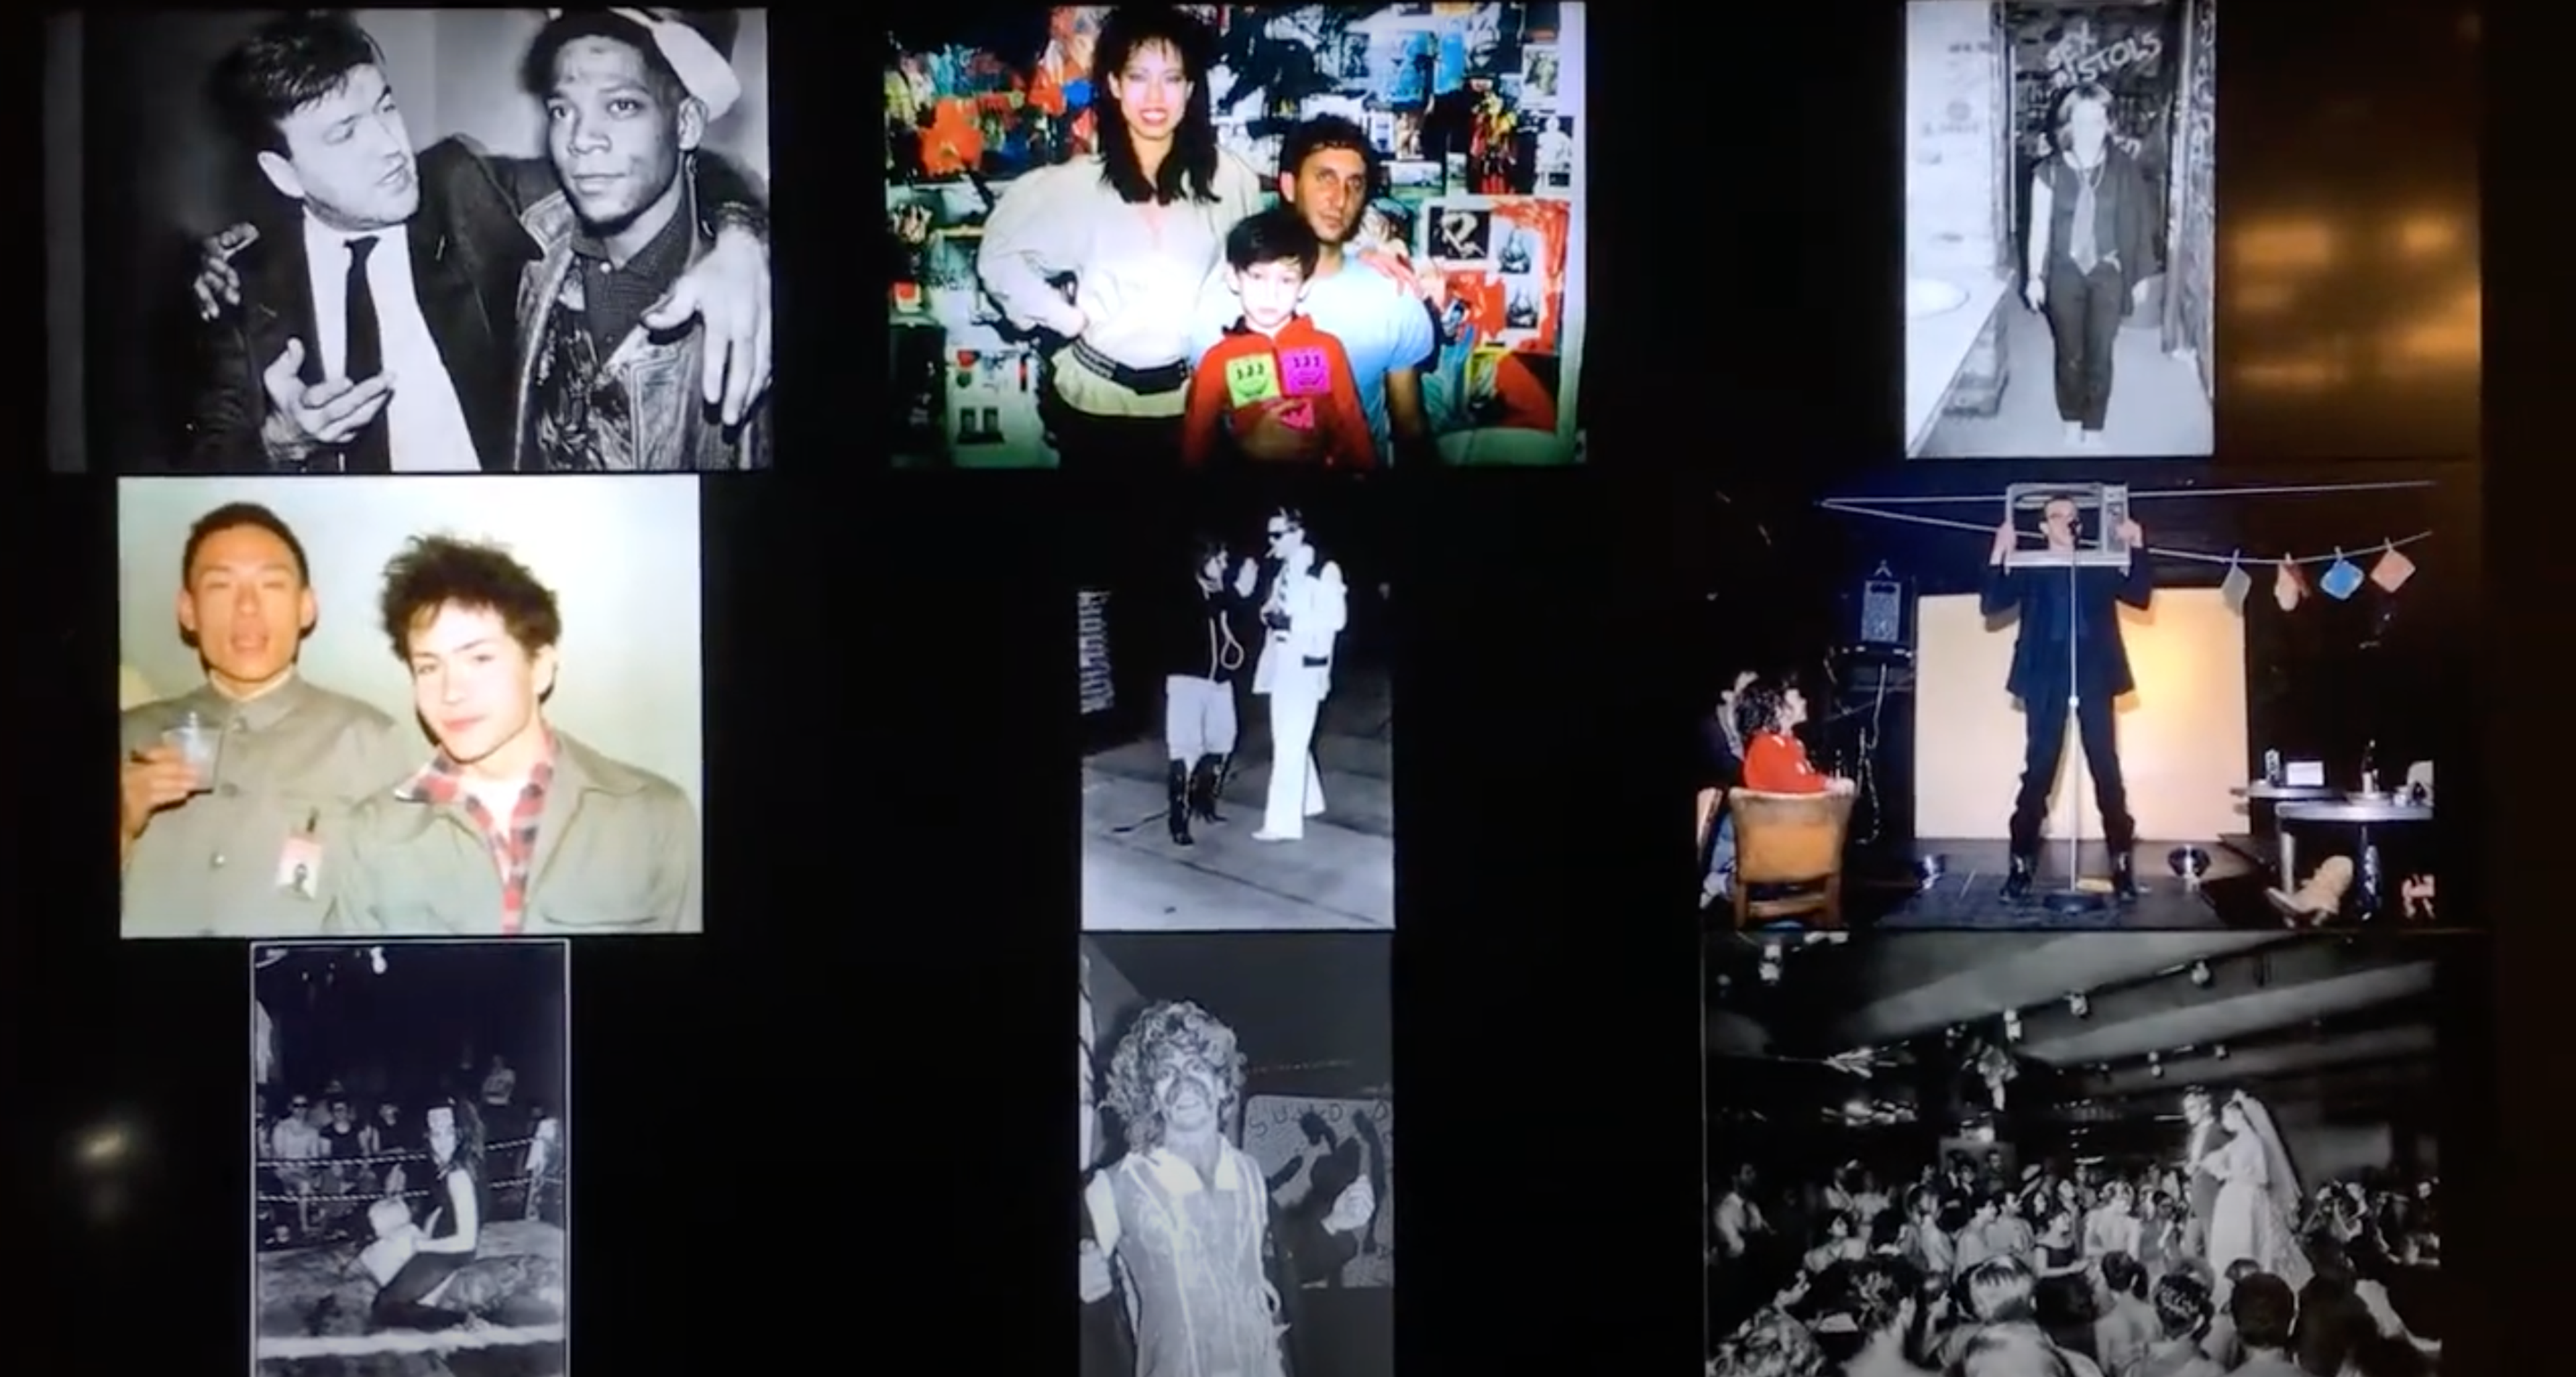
[
  {"x": 410, "y": 241},
  {"x": 1239, "y": 716},
  {"x": 2060, "y": 228},
  {"x": 2025, "y": 696},
  {"x": 410, "y": 707},
  {"x": 2139, "y": 1153},
  {"x": 1046, "y": 312},
  {"x": 1237, "y": 1140},
  {"x": 412, "y": 1159}
]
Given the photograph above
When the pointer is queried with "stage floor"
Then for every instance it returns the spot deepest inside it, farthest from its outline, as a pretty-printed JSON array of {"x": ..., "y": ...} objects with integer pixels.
[
  {"x": 1881, "y": 889},
  {"x": 1340, "y": 877}
]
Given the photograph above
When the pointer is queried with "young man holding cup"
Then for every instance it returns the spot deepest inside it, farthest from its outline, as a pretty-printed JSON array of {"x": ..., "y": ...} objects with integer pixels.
[{"x": 231, "y": 793}]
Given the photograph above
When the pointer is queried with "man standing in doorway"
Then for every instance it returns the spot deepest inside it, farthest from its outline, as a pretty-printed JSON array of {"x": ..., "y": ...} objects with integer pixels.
[
  {"x": 1303, "y": 607},
  {"x": 629, "y": 95},
  {"x": 1326, "y": 167},
  {"x": 245, "y": 852},
  {"x": 2057, "y": 612}
]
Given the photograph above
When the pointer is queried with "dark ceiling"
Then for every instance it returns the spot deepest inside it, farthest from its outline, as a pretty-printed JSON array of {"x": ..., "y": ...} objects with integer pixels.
[{"x": 2344, "y": 1021}]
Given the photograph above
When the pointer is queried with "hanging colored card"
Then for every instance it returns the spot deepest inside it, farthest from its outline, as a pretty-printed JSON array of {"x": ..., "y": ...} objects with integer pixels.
[
  {"x": 2392, "y": 570},
  {"x": 2288, "y": 587},
  {"x": 1252, "y": 378},
  {"x": 1306, "y": 372},
  {"x": 2341, "y": 579},
  {"x": 2236, "y": 587}
]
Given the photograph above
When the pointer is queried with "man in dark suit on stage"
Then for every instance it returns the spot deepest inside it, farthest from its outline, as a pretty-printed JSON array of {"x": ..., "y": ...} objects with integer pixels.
[
  {"x": 2054, "y": 610},
  {"x": 377, "y": 303}
]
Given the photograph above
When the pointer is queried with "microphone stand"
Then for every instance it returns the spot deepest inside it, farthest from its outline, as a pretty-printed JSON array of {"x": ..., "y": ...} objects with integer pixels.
[{"x": 2074, "y": 900}]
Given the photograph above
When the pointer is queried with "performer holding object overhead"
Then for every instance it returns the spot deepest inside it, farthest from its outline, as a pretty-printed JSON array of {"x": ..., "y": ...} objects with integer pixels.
[{"x": 2069, "y": 647}]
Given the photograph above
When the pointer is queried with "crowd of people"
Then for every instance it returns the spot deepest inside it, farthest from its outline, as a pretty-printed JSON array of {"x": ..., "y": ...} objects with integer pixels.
[
  {"x": 325, "y": 1157},
  {"x": 1968, "y": 1270}
]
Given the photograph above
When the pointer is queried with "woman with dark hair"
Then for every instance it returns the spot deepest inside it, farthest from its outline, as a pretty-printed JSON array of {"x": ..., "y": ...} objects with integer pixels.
[
  {"x": 1767, "y": 714},
  {"x": 454, "y": 1226},
  {"x": 1137, "y": 228},
  {"x": 2092, "y": 249}
]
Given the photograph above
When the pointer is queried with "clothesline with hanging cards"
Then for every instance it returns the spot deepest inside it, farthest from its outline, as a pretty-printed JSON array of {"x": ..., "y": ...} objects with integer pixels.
[{"x": 2341, "y": 580}]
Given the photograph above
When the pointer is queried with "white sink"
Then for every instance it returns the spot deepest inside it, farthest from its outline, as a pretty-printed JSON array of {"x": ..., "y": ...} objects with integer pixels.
[{"x": 1930, "y": 296}]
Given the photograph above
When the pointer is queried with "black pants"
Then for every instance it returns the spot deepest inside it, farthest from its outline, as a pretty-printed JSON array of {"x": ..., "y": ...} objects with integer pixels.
[
  {"x": 2046, "y": 720},
  {"x": 1123, "y": 447},
  {"x": 398, "y": 1305},
  {"x": 2084, "y": 312}
]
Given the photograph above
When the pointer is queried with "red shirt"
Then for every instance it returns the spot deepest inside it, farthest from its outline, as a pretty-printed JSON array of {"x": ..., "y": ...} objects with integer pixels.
[
  {"x": 1774, "y": 763},
  {"x": 1248, "y": 369}
]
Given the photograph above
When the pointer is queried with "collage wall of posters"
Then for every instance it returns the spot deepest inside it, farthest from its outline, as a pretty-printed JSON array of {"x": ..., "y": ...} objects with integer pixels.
[{"x": 1475, "y": 115}]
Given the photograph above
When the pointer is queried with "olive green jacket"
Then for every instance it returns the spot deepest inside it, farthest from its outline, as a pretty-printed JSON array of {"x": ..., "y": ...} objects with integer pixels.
[
  {"x": 293, "y": 763},
  {"x": 617, "y": 854}
]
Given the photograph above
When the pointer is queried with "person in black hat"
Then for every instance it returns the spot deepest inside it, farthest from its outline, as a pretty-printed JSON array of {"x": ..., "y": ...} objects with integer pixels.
[{"x": 366, "y": 329}]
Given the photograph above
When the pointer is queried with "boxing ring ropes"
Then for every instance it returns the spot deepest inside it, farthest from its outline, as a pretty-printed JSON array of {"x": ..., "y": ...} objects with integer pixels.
[{"x": 477, "y": 1335}]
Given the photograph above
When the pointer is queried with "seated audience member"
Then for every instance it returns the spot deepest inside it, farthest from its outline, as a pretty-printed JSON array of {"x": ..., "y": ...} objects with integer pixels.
[
  {"x": 2265, "y": 1312},
  {"x": 2222, "y": 1345},
  {"x": 1881, "y": 1299},
  {"x": 1722, "y": 769},
  {"x": 2013, "y": 1350},
  {"x": 2182, "y": 1321},
  {"x": 2126, "y": 1327},
  {"x": 1769, "y": 1345},
  {"x": 1767, "y": 714}
]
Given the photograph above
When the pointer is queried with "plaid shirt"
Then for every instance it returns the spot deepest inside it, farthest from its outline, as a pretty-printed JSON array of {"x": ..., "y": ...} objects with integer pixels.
[{"x": 513, "y": 842}]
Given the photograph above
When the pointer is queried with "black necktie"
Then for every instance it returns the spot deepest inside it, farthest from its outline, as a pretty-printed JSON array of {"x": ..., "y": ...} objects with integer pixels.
[{"x": 370, "y": 450}]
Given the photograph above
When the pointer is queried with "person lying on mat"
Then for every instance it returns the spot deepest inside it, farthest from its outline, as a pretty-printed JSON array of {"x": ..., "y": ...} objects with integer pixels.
[{"x": 1767, "y": 714}]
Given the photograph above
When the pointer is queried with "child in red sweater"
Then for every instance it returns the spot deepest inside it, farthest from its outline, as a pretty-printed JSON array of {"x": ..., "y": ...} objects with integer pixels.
[{"x": 1274, "y": 359}]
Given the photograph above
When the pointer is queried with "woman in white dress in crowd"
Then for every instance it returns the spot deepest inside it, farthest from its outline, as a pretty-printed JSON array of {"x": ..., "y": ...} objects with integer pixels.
[{"x": 2258, "y": 1198}]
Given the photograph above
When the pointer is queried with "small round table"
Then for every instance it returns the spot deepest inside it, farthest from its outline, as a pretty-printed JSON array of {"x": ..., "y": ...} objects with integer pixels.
[
  {"x": 2261, "y": 798},
  {"x": 2360, "y": 815}
]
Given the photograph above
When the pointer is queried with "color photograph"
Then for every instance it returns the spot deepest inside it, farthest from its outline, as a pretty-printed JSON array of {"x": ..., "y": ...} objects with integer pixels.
[
  {"x": 2209, "y": 696},
  {"x": 410, "y": 707},
  {"x": 1075, "y": 208}
]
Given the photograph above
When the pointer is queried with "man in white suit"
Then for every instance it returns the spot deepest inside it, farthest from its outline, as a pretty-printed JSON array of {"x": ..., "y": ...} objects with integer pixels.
[{"x": 1303, "y": 610}]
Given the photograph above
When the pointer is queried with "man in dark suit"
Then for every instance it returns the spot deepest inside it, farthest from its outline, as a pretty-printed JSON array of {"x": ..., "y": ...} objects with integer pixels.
[
  {"x": 377, "y": 320},
  {"x": 1312, "y": 1239},
  {"x": 2055, "y": 610}
]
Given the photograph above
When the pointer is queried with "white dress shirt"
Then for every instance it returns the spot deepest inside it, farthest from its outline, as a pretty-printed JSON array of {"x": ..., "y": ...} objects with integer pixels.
[{"x": 425, "y": 423}]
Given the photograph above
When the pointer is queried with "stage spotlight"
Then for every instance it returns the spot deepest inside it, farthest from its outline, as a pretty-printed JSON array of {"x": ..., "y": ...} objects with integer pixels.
[
  {"x": 2200, "y": 973},
  {"x": 2012, "y": 1024},
  {"x": 2078, "y": 1005},
  {"x": 2156, "y": 1065},
  {"x": 2219, "y": 1051}
]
